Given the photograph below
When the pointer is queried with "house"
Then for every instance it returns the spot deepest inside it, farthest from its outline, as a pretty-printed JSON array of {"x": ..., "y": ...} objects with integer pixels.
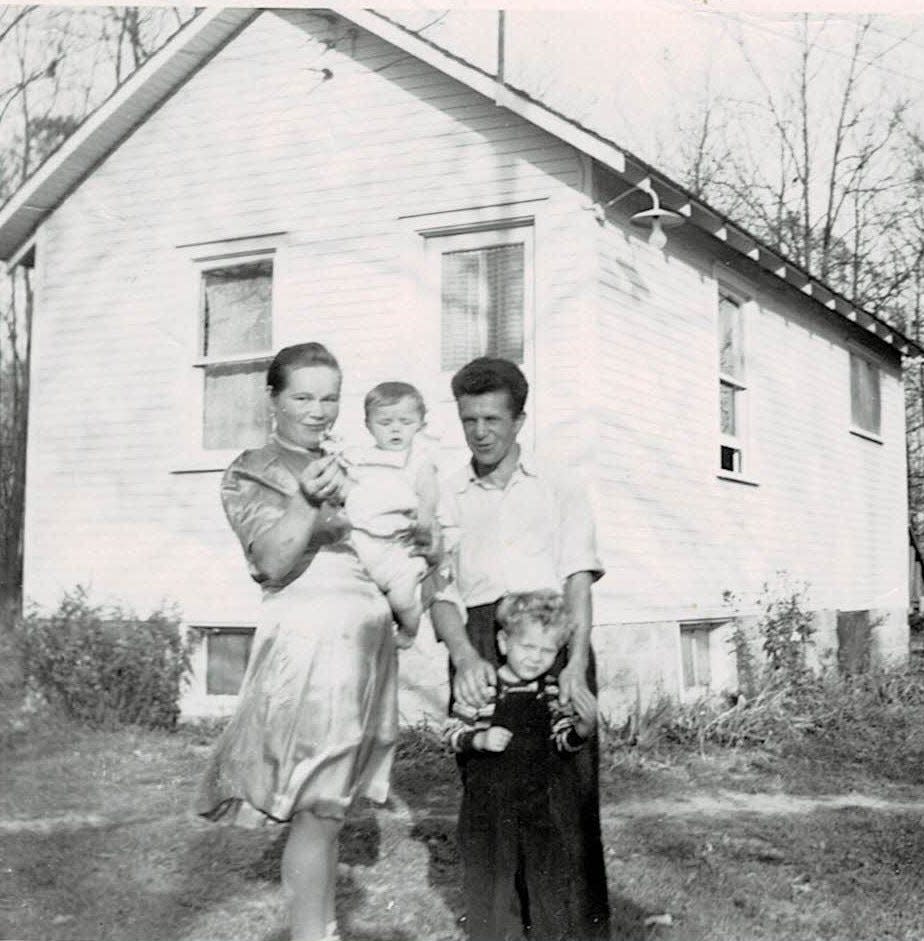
[{"x": 276, "y": 176}]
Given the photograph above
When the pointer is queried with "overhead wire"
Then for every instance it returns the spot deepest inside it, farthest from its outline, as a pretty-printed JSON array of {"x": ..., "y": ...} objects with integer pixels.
[{"x": 741, "y": 20}]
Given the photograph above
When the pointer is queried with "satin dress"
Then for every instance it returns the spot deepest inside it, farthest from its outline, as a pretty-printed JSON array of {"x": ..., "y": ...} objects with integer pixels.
[{"x": 317, "y": 715}]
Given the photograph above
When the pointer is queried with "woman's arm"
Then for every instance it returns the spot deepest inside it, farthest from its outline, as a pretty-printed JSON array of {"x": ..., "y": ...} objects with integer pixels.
[{"x": 276, "y": 551}]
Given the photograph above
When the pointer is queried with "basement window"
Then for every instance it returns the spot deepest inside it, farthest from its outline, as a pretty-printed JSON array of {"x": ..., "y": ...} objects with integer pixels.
[{"x": 227, "y": 652}]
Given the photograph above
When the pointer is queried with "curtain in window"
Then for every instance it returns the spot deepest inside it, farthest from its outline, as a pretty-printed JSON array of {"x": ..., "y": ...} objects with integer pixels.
[
  {"x": 731, "y": 353},
  {"x": 237, "y": 309},
  {"x": 482, "y": 304},
  {"x": 236, "y": 414},
  {"x": 865, "y": 401}
]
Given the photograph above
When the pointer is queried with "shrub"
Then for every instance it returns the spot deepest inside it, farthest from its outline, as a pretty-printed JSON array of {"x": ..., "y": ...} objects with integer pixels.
[
  {"x": 786, "y": 628},
  {"x": 873, "y": 720},
  {"x": 12, "y": 680},
  {"x": 916, "y": 621},
  {"x": 103, "y": 665}
]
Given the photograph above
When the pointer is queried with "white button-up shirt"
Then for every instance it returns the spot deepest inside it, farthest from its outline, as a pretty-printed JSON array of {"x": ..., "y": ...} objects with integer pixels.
[{"x": 531, "y": 534}]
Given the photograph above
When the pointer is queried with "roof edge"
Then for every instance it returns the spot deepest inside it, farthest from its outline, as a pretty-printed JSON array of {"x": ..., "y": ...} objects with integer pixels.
[
  {"x": 103, "y": 129},
  {"x": 200, "y": 39}
]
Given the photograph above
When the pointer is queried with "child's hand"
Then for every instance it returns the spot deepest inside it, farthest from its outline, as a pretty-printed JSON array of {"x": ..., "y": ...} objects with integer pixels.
[
  {"x": 495, "y": 739},
  {"x": 585, "y": 705}
]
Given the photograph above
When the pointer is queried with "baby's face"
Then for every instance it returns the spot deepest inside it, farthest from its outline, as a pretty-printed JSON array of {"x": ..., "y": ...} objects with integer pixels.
[
  {"x": 394, "y": 426},
  {"x": 531, "y": 651}
]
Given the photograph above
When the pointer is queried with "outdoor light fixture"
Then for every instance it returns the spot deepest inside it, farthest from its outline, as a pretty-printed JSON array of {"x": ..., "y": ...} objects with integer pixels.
[{"x": 655, "y": 218}]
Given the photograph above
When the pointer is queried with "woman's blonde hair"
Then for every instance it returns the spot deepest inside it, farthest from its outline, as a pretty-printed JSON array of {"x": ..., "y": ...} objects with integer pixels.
[{"x": 546, "y": 608}]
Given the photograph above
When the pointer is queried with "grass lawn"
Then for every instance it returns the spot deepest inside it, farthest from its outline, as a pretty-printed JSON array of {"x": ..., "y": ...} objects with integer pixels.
[{"x": 96, "y": 842}]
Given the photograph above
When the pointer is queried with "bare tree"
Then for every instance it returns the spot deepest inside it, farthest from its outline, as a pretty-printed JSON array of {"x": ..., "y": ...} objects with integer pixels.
[
  {"x": 835, "y": 181},
  {"x": 823, "y": 184},
  {"x": 50, "y": 79}
]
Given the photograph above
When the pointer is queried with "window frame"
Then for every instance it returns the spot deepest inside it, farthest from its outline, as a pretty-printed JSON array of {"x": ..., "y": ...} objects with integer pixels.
[
  {"x": 423, "y": 234},
  {"x": 209, "y": 634},
  {"x": 742, "y": 441},
  {"x": 196, "y": 697},
  {"x": 855, "y": 353},
  {"x": 440, "y": 242},
  {"x": 198, "y": 259},
  {"x": 710, "y": 628}
]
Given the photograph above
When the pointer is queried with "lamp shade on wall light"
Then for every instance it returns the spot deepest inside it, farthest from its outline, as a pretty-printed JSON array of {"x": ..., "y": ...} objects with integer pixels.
[{"x": 656, "y": 219}]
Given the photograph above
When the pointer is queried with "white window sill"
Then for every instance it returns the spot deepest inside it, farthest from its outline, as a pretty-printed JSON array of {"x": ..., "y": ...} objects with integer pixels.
[
  {"x": 737, "y": 478},
  {"x": 867, "y": 435}
]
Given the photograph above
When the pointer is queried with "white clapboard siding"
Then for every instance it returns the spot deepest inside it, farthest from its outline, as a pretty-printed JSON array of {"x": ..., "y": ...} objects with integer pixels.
[
  {"x": 256, "y": 143},
  {"x": 828, "y": 506}
]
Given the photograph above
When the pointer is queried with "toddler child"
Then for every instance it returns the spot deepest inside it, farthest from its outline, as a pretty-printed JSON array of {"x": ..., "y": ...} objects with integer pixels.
[
  {"x": 391, "y": 502},
  {"x": 519, "y": 810}
]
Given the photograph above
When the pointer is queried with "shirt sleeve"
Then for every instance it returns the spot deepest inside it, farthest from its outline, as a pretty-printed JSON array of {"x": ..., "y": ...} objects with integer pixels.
[
  {"x": 255, "y": 496},
  {"x": 465, "y": 723},
  {"x": 577, "y": 531},
  {"x": 563, "y": 720}
]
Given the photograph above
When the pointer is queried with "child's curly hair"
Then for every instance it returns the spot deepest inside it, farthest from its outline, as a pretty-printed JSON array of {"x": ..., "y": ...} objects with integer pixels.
[{"x": 545, "y": 608}]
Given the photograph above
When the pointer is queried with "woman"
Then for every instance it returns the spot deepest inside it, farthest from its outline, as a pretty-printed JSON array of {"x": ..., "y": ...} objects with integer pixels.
[{"x": 317, "y": 713}]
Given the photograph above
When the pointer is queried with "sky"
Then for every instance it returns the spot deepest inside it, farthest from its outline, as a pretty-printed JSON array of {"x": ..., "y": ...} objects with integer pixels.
[{"x": 639, "y": 72}]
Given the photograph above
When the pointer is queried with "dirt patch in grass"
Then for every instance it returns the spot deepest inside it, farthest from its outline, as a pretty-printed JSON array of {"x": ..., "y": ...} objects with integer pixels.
[{"x": 96, "y": 841}]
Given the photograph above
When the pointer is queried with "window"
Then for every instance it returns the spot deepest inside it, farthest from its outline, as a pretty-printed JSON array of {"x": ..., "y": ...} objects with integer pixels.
[
  {"x": 732, "y": 387},
  {"x": 235, "y": 343},
  {"x": 696, "y": 656},
  {"x": 226, "y": 656},
  {"x": 484, "y": 294},
  {"x": 865, "y": 396}
]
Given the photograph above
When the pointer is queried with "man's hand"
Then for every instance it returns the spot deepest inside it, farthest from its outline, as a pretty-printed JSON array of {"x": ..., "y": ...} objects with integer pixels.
[
  {"x": 473, "y": 684},
  {"x": 495, "y": 739},
  {"x": 585, "y": 705},
  {"x": 573, "y": 680},
  {"x": 427, "y": 541}
]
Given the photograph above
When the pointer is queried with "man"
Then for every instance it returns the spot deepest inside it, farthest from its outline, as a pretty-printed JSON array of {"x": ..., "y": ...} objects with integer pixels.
[{"x": 522, "y": 527}]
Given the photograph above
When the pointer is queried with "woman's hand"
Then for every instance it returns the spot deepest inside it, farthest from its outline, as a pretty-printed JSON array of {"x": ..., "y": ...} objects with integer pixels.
[{"x": 322, "y": 480}]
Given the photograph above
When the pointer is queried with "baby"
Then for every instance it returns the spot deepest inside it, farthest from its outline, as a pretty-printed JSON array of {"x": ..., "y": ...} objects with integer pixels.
[{"x": 391, "y": 500}]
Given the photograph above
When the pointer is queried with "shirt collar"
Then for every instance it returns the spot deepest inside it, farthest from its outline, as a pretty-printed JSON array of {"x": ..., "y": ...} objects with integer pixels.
[
  {"x": 526, "y": 465},
  {"x": 507, "y": 676}
]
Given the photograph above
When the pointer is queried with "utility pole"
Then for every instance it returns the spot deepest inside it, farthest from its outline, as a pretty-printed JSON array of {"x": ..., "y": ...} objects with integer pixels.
[{"x": 501, "y": 26}]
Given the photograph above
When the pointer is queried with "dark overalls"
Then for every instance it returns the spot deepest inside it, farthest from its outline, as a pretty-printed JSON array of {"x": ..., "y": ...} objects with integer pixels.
[{"x": 529, "y": 826}]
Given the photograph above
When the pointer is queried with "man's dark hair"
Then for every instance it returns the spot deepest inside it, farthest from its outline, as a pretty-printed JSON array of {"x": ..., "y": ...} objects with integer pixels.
[{"x": 490, "y": 374}]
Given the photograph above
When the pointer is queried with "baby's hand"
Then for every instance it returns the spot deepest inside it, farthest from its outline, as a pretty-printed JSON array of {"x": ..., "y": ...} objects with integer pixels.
[
  {"x": 495, "y": 739},
  {"x": 585, "y": 705}
]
